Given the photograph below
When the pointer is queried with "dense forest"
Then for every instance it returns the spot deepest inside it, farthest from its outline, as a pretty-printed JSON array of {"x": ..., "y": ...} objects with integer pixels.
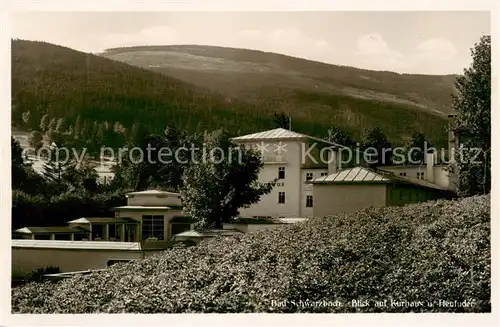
[
  {"x": 260, "y": 76},
  {"x": 94, "y": 101}
]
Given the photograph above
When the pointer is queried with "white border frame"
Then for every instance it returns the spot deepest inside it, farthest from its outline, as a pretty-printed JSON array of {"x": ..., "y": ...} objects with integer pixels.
[{"x": 240, "y": 319}]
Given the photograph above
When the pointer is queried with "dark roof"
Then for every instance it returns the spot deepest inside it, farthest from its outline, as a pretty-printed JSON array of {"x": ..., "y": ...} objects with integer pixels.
[
  {"x": 118, "y": 220},
  {"x": 371, "y": 176},
  {"x": 50, "y": 230},
  {"x": 103, "y": 220}
]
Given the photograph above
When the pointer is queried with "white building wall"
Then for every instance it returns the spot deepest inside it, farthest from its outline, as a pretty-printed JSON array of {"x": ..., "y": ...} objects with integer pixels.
[
  {"x": 411, "y": 171},
  {"x": 291, "y": 185},
  {"x": 307, "y": 189},
  {"x": 441, "y": 176}
]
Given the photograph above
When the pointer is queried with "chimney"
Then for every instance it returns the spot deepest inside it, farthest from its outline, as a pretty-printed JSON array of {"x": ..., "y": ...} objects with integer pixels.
[
  {"x": 332, "y": 161},
  {"x": 430, "y": 167}
]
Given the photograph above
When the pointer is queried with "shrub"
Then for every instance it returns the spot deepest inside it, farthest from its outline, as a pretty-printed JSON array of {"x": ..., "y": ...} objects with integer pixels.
[{"x": 421, "y": 252}]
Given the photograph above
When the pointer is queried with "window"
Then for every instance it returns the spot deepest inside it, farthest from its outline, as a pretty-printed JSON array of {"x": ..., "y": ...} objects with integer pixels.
[
  {"x": 97, "y": 232},
  {"x": 402, "y": 174},
  {"x": 309, "y": 176},
  {"x": 130, "y": 233},
  {"x": 112, "y": 231},
  {"x": 42, "y": 237},
  {"x": 153, "y": 226},
  {"x": 62, "y": 237},
  {"x": 281, "y": 197},
  {"x": 80, "y": 237},
  {"x": 420, "y": 175},
  {"x": 309, "y": 201},
  {"x": 281, "y": 172},
  {"x": 324, "y": 174},
  {"x": 115, "y": 232}
]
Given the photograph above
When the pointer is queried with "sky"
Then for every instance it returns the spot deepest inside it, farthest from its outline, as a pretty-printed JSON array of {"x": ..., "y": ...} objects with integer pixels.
[{"x": 429, "y": 42}]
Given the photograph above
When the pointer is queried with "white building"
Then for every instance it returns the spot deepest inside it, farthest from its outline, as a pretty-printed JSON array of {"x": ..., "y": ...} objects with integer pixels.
[
  {"x": 293, "y": 159},
  {"x": 296, "y": 159}
]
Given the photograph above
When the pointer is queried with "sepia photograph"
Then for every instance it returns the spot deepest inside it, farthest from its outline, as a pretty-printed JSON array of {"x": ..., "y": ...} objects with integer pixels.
[{"x": 250, "y": 162}]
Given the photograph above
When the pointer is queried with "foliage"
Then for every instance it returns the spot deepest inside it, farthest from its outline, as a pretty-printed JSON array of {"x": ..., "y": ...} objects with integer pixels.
[
  {"x": 473, "y": 121},
  {"x": 86, "y": 89},
  {"x": 57, "y": 210},
  {"x": 164, "y": 158},
  {"x": 22, "y": 174},
  {"x": 220, "y": 180},
  {"x": 438, "y": 250},
  {"x": 419, "y": 144},
  {"x": 340, "y": 136},
  {"x": 377, "y": 147},
  {"x": 281, "y": 120},
  {"x": 36, "y": 140}
]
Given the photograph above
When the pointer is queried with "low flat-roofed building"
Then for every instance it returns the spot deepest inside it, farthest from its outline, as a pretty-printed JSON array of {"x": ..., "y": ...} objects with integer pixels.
[
  {"x": 64, "y": 233},
  {"x": 69, "y": 256}
]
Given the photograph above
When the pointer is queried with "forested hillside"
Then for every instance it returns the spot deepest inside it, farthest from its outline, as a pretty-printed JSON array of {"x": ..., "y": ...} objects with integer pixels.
[{"x": 102, "y": 101}]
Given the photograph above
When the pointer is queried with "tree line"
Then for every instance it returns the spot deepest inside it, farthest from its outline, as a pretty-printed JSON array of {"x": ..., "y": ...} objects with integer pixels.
[{"x": 212, "y": 190}]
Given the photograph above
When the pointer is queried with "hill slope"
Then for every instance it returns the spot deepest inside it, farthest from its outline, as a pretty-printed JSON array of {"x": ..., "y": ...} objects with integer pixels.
[
  {"x": 417, "y": 253},
  {"x": 257, "y": 75},
  {"x": 60, "y": 82}
]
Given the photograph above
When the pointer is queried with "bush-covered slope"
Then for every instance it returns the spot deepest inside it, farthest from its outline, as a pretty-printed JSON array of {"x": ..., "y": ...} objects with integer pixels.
[
  {"x": 64, "y": 83},
  {"x": 423, "y": 252}
]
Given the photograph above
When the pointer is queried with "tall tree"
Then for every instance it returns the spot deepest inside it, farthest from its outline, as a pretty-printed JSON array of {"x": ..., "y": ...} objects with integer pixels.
[
  {"x": 26, "y": 117},
  {"x": 164, "y": 159},
  {"x": 281, "y": 120},
  {"x": 35, "y": 140},
  {"x": 44, "y": 123},
  {"x": 78, "y": 127},
  {"x": 216, "y": 186},
  {"x": 17, "y": 163},
  {"x": 60, "y": 125},
  {"x": 472, "y": 123},
  {"x": 376, "y": 147},
  {"x": 81, "y": 176},
  {"x": 340, "y": 136},
  {"x": 56, "y": 164},
  {"x": 52, "y": 125}
]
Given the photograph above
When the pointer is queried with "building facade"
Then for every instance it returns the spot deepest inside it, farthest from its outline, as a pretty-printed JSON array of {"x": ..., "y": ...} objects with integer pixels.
[
  {"x": 292, "y": 159},
  {"x": 150, "y": 216}
]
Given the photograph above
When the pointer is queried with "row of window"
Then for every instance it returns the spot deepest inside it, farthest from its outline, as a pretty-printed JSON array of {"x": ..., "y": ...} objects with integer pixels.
[
  {"x": 420, "y": 175},
  {"x": 309, "y": 199},
  {"x": 309, "y": 176}
]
